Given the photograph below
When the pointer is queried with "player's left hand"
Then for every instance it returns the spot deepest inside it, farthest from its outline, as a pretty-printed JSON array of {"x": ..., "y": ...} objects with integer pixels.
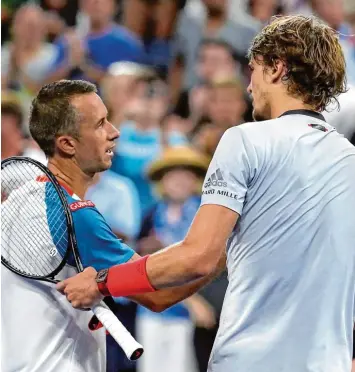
[{"x": 81, "y": 290}]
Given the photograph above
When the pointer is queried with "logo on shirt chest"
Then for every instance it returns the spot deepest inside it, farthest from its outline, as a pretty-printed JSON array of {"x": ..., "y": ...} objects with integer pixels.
[{"x": 216, "y": 179}]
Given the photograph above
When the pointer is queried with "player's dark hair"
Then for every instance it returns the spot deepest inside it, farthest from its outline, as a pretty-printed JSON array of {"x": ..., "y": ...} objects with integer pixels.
[
  {"x": 312, "y": 54},
  {"x": 52, "y": 113}
]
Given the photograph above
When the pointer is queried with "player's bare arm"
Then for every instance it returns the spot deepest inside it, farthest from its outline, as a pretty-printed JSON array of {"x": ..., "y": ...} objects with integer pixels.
[
  {"x": 198, "y": 254},
  {"x": 195, "y": 261}
]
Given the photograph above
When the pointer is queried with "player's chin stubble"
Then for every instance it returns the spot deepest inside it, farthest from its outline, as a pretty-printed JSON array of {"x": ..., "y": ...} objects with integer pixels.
[
  {"x": 258, "y": 116},
  {"x": 261, "y": 115}
]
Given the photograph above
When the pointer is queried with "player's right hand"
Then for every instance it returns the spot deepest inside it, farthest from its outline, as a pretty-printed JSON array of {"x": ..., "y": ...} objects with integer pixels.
[{"x": 81, "y": 290}]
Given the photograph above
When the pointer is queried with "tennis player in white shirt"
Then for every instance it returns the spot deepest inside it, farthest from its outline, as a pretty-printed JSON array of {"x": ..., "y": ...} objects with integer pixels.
[{"x": 280, "y": 194}]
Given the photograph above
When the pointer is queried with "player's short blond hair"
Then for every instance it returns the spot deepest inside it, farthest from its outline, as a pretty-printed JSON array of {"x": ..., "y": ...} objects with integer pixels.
[{"x": 312, "y": 54}]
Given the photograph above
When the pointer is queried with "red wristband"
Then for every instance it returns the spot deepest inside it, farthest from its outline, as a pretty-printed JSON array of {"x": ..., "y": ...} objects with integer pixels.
[
  {"x": 129, "y": 279},
  {"x": 103, "y": 289}
]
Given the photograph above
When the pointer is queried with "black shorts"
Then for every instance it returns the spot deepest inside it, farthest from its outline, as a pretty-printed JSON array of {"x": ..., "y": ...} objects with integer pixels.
[{"x": 354, "y": 344}]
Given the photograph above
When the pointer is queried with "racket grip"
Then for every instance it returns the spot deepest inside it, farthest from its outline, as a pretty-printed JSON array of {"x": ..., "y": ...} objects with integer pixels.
[{"x": 118, "y": 331}]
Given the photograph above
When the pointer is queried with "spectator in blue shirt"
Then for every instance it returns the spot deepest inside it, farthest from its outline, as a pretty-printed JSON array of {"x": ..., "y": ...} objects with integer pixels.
[{"x": 104, "y": 44}]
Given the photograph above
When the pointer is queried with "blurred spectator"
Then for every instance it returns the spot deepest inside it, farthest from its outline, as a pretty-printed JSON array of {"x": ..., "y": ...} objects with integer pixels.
[
  {"x": 119, "y": 89},
  {"x": 350, "y": 11},
  {"x": 297, "y": 7},
  {"x": 215, "y": 59},
  {"x": 105, "y": 43},
  {"x": 226, "y": 108},
  {"x": 226, "y": 104},
  {"x": 117, "y": 199},
  {"x": 59, "y": 15},
  {"x": 191, "y": 31},
  {"x": 154, "y": 21},
  {"x": 262, "y": 10},
  {"x": 8, "y": 8},
  {"x": 344, "y": 118},
  {"x": 142, "y": 138},
  {"x": 167, "y": 336},
  {"x": 28, "y": 59},
  {"x": 332, "y": 12},
  {"x": 12, "y": 139}
]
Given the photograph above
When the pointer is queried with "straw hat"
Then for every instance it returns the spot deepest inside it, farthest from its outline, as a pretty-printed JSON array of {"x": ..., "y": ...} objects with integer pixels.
[{"x": 178, "y": 156}]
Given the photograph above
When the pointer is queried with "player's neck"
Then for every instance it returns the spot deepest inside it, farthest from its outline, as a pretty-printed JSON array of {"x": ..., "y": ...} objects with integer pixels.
[
  {"x": 283, "y": 104},
  {"x": 68, "y": 173}
]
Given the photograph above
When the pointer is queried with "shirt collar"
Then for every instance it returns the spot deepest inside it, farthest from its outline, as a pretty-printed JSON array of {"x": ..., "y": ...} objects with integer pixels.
[{"x": 311, "y": 113}]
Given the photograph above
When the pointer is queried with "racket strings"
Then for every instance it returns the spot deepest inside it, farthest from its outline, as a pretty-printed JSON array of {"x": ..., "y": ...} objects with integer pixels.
[
  {"x": 11, "y": 224},
  {"x": 34, "y": 226},
  {"x": 25, "y": 242}
]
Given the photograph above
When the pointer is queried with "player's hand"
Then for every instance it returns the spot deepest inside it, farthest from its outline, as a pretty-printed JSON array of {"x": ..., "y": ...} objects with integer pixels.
[{"x": 81, "y": 290}]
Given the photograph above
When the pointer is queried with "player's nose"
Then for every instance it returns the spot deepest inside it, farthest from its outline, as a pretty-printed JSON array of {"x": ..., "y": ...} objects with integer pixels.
[{"x": 114, "y": 133}]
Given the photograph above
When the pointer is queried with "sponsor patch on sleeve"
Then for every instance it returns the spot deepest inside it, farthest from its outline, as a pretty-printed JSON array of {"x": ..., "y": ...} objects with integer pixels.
[{"x": 81, "y": 204}]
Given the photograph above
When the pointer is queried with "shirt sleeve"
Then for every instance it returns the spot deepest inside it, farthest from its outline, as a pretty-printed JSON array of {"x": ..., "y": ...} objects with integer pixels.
[
  {"x": 98, "y": 246},
  {"x": 231, "y": 171}
]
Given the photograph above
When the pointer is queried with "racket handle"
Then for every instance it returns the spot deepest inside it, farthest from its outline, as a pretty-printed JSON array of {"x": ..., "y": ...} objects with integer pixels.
[{"x": 118, "y": 331}]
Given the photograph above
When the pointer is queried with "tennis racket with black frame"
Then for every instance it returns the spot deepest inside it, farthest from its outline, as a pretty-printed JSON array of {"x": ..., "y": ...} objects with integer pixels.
[{"x": 38, "y": 250}]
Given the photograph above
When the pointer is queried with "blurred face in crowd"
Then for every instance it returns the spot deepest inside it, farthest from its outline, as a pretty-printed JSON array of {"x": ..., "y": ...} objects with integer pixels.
[
  {"x": 118, "y": 91},
  {"x": 29, "y": 25},
  {"x": 158, "y": 100},
  {"x": 259, "y": 90},
  {"x": 179, "y": 184},
  {"x": 93, "y": 150},
  {"x": 214, "y": 60},
  {"x": 148, "y": 103},
  {"x": 263, "y": 10},
  {"x": 215, "y": 7},
  {"x": 56, "y": 4},
  {"x": 101, "y": 12},
  {"x": 12, "y": 140},
  {"x": 332, "y": 11},
  {"x": 226, "y": 106}
]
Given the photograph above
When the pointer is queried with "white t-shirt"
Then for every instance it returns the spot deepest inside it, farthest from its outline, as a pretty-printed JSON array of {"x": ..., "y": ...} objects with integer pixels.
[{"x": 290, "y": 301}]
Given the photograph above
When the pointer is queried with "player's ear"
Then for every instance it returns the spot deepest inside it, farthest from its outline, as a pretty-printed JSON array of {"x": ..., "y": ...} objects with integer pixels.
[
  {"x": 66, "y": 144},
  {"x": 277, "y": 71}
]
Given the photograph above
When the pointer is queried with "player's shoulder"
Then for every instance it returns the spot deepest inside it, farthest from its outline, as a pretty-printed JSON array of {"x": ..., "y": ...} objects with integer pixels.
[
  {"x": 84, "y": 211},
  {"x": 251, "y": 131}
]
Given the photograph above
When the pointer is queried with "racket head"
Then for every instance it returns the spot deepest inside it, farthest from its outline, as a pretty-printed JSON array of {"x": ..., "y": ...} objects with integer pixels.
[{"x": 37, "y": 226}]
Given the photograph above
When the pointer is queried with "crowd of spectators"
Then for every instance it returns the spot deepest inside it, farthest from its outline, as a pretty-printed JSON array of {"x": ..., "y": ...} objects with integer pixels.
[{"x": 173, "y": 75}]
